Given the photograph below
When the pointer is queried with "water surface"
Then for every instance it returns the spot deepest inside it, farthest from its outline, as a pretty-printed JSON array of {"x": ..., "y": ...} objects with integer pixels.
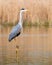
[{"x": 32, "y": 47}]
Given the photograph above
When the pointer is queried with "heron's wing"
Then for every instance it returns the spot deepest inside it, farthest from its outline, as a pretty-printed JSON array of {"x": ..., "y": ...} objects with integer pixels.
[{"x": 15, "y": 31}]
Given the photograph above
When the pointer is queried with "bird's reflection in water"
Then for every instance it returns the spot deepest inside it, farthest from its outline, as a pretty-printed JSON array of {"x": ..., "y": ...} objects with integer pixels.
[{"x": 17, "y": 54}]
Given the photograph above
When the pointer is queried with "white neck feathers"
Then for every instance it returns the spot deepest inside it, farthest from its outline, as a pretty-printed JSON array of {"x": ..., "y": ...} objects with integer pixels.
[{"x": 21, "y": 18}]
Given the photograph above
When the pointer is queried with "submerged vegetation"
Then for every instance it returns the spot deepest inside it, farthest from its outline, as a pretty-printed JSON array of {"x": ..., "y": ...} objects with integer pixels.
[
  {"x": 7, "y": 24},
  {"x": 46, "y": 24},
  {"x": 37, "y": 24},
  {"x": 29, "y": 24}
]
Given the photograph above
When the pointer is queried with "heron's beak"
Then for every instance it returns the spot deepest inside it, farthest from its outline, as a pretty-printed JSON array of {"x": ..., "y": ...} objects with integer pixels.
[{"x": 26, "y": 10}]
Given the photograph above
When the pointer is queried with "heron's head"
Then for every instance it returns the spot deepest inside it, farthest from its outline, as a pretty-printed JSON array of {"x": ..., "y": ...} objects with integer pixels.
[{"x": 23, "y": 10}]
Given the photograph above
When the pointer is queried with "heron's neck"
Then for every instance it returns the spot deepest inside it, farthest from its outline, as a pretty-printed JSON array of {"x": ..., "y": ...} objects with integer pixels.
[{"x": 21, "y": 18}]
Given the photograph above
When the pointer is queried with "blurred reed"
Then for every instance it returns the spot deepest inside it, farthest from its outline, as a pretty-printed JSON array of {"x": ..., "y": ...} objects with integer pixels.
[{"x": 40, "y": 11}]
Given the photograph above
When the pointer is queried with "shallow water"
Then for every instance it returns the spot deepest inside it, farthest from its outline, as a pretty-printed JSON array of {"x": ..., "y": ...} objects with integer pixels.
[{"x": 32, "y": 47}]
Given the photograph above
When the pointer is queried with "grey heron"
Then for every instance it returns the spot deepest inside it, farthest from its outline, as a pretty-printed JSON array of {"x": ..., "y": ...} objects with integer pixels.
[{"x": 16, "y": 30}]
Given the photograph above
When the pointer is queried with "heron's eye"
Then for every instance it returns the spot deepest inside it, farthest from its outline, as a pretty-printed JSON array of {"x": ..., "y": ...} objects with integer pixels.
[{"x": 22, "y": 9}]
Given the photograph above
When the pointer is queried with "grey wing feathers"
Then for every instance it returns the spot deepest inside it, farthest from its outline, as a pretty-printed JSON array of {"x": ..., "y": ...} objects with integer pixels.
[{"x": 15, "y": 31}]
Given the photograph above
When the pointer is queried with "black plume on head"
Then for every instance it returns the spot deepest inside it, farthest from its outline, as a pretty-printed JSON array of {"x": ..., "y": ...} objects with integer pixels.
[{"x": 22, "y": 9}]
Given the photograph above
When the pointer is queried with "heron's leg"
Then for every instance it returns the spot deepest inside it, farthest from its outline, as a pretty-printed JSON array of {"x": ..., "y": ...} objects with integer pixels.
[{"x": 17, "y": 53}]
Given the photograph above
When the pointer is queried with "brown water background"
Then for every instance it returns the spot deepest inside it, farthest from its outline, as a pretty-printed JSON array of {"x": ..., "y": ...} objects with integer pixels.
[{"x": 35, "y": 47}]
